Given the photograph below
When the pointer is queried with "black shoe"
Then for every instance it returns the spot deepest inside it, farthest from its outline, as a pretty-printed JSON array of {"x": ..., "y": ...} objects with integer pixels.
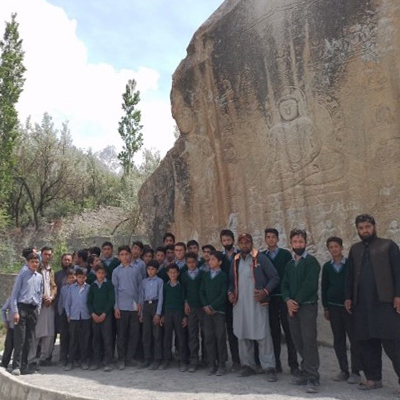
[
  {"x": 299, "y": 381},
  {"x": 144, "y": 364},
  {"x": 295, "y": 371},
  {"x": 164, "y": 365},
  {"x": 271, "y": 375},
  {"x": 312, "y": 385},
  {"x": 212, "y": 370},
  {"x": 192, "y": 368},
  {"x": 155, "y": 366},
  {"x": 278, "y": 367},
  {"x": 29, "y": 370},
  {"x": 246, "y": 371},
  {"x": 45, "y": 363},
  {"x": 221, "y": 369}
]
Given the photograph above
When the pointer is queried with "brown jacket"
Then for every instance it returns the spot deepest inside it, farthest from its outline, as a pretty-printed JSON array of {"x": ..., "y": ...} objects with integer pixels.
[{"x": 53, "y": 286}]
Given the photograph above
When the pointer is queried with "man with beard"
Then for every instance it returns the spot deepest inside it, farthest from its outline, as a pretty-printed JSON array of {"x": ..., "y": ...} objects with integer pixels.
[
  {"x": 300, "y": 292},
  {"x": 252, "y": 279},
  {"x": 373, "y": 297}
]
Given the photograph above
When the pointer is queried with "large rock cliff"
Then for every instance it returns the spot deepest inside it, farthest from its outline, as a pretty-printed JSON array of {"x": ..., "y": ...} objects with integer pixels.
[{"x": 289, "y": 117}]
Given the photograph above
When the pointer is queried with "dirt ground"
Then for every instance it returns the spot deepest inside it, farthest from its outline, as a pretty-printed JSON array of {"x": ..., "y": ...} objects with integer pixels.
[{"x": 172, "y": 384}]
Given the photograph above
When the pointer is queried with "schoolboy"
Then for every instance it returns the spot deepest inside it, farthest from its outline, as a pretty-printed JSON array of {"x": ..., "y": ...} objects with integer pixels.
[
  {"x": 63, "y": 319},
  {"x": 151, "y": 301},
  {"x": 148, "y": 255},
  {"x": 207, "y": 250},
  {"x": 173, "y": 318},
  {"x": 136, "y": 261},
  {"x": 126, "y": 280},
  {"x": 213, "y": 292},
  {"x": 333, "y": 298},
  {"x": 93, "y": 261},
  {"x": 194, "y": 247},
  {"x": 100, "y": 303},
  {"x": 7, "y": 319},
  {"x": 180, "y": 251},
  {"x": 81, "y": 260},
  {"x": 278, "y": 314},
  {"x": 108, "y": 259},
  {"x": 26, "y": 302},
  {"x": 94, "y": 251},
  {"x": 191, "y": 280},
  {"x": 160, "y": 256},
  {"x": 300, "y": 292},
  {"x": 169, "y": 239},
  {"x": 169, "y": 259}
]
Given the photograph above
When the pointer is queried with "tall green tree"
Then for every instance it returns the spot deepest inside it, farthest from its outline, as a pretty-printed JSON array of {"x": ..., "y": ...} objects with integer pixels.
[
  {"x": 11, "y": 85},
  {"x": 130, "y": 128}
]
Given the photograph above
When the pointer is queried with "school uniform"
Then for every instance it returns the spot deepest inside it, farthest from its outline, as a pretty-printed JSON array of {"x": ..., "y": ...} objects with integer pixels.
[
  {"x": 127, "y": 281},
  {"x": 151, "y": 298},
  {"x": 100, "y": 300},
  {"x": 141, "y": 266},
  {"x": 213, "y": 290},
  {"x": 63, "y": 325},
  {"x": 79, "y": 324},
  {"x": 26, "y": 300},
  {"x": 90, "y": 277},
  {"x": 60, "y": 278},
  {"x": 110, "y": 263},
  {"x": 7, "y": 317},
  {"x": 181, "y": 264}
]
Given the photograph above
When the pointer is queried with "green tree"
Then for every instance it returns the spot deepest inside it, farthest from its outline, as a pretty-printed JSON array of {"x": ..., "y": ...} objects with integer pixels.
[
  {"x": 130, "y": 128},
  {"x": 11, "y": 85}
]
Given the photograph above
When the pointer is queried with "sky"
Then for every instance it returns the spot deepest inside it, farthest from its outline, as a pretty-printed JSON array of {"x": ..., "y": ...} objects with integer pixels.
[{"x": 79, "y": 55}]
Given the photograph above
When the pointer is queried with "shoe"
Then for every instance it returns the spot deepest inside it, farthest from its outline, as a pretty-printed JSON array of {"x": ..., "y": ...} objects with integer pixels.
[
  {"x": 132, "y": 363},
  {"x": 299, "y": 381},
  {"x": 246, "y": 371},
  {"x": 68, "y": 367},
  {"x": 271, "y": 375},
  {"x": 312, "y": 385},
  {"x": 45, "y": 363},
  {"x": 354, "y": 379},
  {"x": 183, "y": 367},
  {"x": 4, "y": 366},
  {"x": 154, "y": 366},
  {"x": 144, "y": 364},
  {"x": 370, "y": 385},
  {"x": 212, "y": 370},
  {"x": 107, "y": 368},
  {"x": 341, "y": 376},
  {"x": 278, "y": 367},
  {"x": 164, "y": 365},
  {"x": 30, "y": 370},
  {"x": 85, "y": 366},
  {"x": 94, "y": 367},
  {"x": 235, "y": 367},
  {"x": 192, "y": 368},
  {"x": 16, "y": 372},
  {"x": 221, "y": 369},
  {"x": 295, "y": 371},
  {"x": 121, "y": 365},
  {"x": 62, "y": 363}
]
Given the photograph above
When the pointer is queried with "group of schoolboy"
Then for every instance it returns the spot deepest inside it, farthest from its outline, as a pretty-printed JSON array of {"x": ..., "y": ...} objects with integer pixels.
[{"x": 140, "y": 300}]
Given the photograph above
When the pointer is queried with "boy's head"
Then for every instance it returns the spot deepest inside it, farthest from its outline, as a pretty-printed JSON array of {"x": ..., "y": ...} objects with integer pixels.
[
  {"x": 160, "y": 255},
  {"x": 193, "y": 246},
  {"x": 81, "y": 257},
  {"x": 71, "y": 278},
  {"x": 298, "y": 241},
  {"x": 137, "y": 249},
  {"x": 93, "y": 261},
  {"x": 27, "y": 251},
  {"x": 173, "y": 272},
  {"x": 152, "y": 268},
  {"x": 95, "y": 250},
  {"x": 335, "y": 246},
  {"x": 227, "y": 239},
  {"x": 101, "y": 272},
  {"x": 46, "y": 254},
  {"x": 191, "y": 261},
  {"x": 66, "y": 261},
  {"x": 170, "y": 253},
  {"x": 207, "y": 249},
  {"x": 148, "y": 255},
  {"x": 124, "y": 255},
  {"x": 33, "y": 261},
  {"x": 168, "y": 239},
  {"x": 271, "y": 237},
  {"x": 180, "y": 250},
  {"x": 80, "y": 276},
  {"x": 107, "y": 249},
  {"x": 216, "y": 259}
]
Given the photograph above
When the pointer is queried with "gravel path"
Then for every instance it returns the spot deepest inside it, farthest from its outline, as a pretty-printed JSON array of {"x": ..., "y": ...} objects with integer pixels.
[{"x": 172, "y": 384}]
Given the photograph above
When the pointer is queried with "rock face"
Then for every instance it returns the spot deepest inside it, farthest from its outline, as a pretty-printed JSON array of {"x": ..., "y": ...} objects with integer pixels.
[{"x": 288, "y": 113}]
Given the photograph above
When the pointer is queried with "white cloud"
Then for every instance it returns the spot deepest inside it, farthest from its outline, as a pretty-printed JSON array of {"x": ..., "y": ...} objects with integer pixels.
[{"x": 61, "y": 81}]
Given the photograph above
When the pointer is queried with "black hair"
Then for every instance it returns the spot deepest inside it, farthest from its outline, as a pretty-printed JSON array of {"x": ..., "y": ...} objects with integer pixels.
[
  {"x": 139, "y": 244},
  {"x": 153, "y": 264},
  {"x": 208, "y": 246},
  {"x": 91, "y": 259},
  {"x": 298, "y": 232},
  {"x": 335, "y": 239},
  {"x": 124, "y": 248},
  {"x": 107, "y": 244},
  {"x": 99, "y": 267},
  {"x": 169, "y": 247},
  {"x": 227, "y": 232},
  {"x": 83, "y": 254},
  {"x": 32, "y": 256},
  {"x": 192, "y": 243},
  {"x": 70, "y": 272},
  {"x": 218, "y": 255},
  {"x": 79, "y": 271},
  {"x": 160, "y": 249},
  {"x": 365, "y": 218},
  {"x": 172, "y": 266},
  {"x": 169, "y": 234},
  {"x": 46, "y": 248},
  {"x": 148, "y": 250},
  {"x": 191, "y": 255},
  {"x": 180, "y": 244},
  {"x": 95, "y": 250},
  {"x": 65, "y": 255},
  {"x": 26, "y": 252},
  {"x": 273, "y": 231}
]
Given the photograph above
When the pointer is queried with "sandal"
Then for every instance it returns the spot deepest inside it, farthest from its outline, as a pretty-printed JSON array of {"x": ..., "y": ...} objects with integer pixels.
[{"x": 370, "y": 385}]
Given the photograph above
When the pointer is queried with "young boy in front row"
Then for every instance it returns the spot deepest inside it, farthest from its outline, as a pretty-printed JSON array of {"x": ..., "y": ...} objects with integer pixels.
[
  {"x": 100, "y": 303},
  {"x": 173, "y": 318},
  {"x": 333, "y": 297},
  {"x": 7, "y": 319},
  {"x": 79, "y": 322},
  {"x": 191, "y": 280},
  {"x": 213, "y": 292},
  {"x": 151, "y": 301}
]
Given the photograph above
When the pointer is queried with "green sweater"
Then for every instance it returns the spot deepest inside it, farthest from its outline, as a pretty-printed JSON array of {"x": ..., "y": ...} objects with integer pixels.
[
  {"x": 162, "y": 273},
  {"x": 113, "y": 264},
  {"x": 192, "y": 288},
  {"x": 213, "y": 292},
  {"x": 333, "y": 285},
  {"x": 280, "y": 261},
  {"x": 101, "y": 300},
  {"x": 300, "y": 282},
  {"x": 174, "y": 297}
]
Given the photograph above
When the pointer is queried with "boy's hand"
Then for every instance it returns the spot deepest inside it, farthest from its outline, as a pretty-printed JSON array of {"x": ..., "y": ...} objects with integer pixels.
[
  {"x": 95, "y": 318},
  {"x": 139, "y": 308},
  {"x": 141, "y": 318},
  {"x": 187, "y": 309},
  {"x": 184, "y": 322},
  {"x": 208, "y": 310},
  {"x": 292, "y": 306},
  {"x": 347, "y": 306},
  {"x": 69, "y": 319},
  {"x": 231, "y": 298},
  {"x": 117, "y": 313},
  {"x": 259, "y": 295},
  {"x": 156, "y": 320},
  {"x": 102, "y": 317},
  {"x": 162, "y": 321},
  {"x": 16, "y": 318},
  {"x": 326, "y": 315}
]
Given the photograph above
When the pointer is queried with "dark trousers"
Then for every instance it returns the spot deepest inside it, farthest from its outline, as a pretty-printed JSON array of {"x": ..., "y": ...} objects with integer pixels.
[
  {"x": 342, "y": 324},
  {"x": 152, "y": 335},
  {"x": 371, "y": 357},
  {"x": 8, "y": 348},
  {"x": 215, "y": 338},
  {"x": 232, "y": 339},
  {"x": 127, "y": 335},
  {"x": 278, "y": 316},
  {"x": 63, "y": 327},
  {"x": 23, "y": 334},
  {"x": 194, "y": 327},
  {"x": 102, "y": 340},
  {"x": 79, "y": 340},
  {"x": 303, "y": 327},
  {"x": 173, "y": 323}
]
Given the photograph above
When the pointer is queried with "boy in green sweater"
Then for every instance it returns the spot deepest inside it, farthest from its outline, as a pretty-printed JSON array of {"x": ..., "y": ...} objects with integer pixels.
[
  {"x": 213, "y": 291},
  {"x": 333, "y": 298},
  {"x": 173, "y": 318},
  {"x": 300, "y": 292},
  {"x": 191, "y": 280},
  {"x": 100, "y": 303}
]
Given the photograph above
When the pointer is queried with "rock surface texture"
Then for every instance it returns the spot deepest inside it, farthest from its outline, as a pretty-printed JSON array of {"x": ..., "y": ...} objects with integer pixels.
[{"x": 288, "y": 113}]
